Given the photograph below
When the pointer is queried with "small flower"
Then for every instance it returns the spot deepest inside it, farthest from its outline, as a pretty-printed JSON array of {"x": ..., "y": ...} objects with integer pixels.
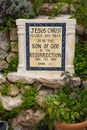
[{"x": 30, "y": 3}]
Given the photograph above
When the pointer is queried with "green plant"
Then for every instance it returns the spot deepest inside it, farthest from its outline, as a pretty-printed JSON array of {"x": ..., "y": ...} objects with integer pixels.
[
  {"x": 66, "y": 1},
  {"x": 12, "y": 66},
  {"x": 7, "y": 115},
  {"x": 56, "y": 10},
  {"x": 13, "y": 63},
  {"x": 29, "y": 98},
  {"x": 69, "y": 4},
  {"x": 81, "y": 12},
  {"x": 10, "y": 10},
  {"x": 63, "y": 107},
  {"x": 20, "y": 85},
  {"x": 5, "y": 88},
  {"x": 80, "y": 60},
  {"x": 37, "y": 6}
]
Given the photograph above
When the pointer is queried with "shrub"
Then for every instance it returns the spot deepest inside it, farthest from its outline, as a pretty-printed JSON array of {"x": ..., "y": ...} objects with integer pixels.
[
  {"x": 81, "y": 12},
  {"x": 66, "y": 108},
  {"x": 80, "y": 60},
  {"x": 29, "y": 98},
  {"x": 37, "y": 6},
  {"x": 10, "y": 10}
]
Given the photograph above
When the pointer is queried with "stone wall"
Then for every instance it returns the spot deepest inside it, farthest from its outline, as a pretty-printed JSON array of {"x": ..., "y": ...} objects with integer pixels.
[
  {"x": 4, "y": 50},
  {"x": 8, "y": 49}
]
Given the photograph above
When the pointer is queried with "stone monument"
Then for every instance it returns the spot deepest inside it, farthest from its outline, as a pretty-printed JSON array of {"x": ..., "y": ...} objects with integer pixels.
[{"x": 46, "y": 48}]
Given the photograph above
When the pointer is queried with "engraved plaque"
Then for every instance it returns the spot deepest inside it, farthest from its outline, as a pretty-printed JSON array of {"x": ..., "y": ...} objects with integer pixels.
[{"x": 45, "y": 46}]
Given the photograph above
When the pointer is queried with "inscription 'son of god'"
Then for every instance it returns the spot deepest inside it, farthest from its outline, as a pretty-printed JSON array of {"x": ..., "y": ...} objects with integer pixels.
[{"x": 45, "y": 46}]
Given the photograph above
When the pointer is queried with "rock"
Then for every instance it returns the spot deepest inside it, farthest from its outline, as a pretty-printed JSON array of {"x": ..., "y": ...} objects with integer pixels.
[
  {"x": 28, "y": 79},
  {"x": 3, "y": 65},
  {"x": 28, "y": 117},
  {"x": 75, "y": 82},
  {"x": 14, "y": 46},
  {"x": 72, "y": 9},
  {"x": 2, "y": 79},
  {"x": 86, "y": 31},
  {"x": 19, "y": 77},
  {"x": 80, "y": 30},
  {"x": 10, "y": 56},
  {"x": 64, "y": 8},
  {"x": 14, "y": 91},
  {"x": 22, "y": 88},
  {"x": 4, "y": 41},
  {"x": 84, "y": 83},
  {"x": 75, "y": 0},
  {"x": 42, "y": 94},
  {"x": 52, "y": 83},
  {"x": 17, "y": 128},
  {"x": 37, "y": 86},
  {"x": 13, "y": 34},
  {"x": 9, "y": 103},
  {"x": 3, "y": 54}
]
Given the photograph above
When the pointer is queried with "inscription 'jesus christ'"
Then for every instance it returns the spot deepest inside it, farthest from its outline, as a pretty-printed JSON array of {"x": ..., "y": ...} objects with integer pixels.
[{"x": 45, "y": 45}]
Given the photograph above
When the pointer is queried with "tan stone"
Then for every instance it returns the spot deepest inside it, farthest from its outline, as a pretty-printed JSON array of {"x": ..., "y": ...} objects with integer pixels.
[
  {"x": 42, "y": 94},
  {"x": 13, "y": 35},
  {"x": 2, "y": 79},
  {"x": 30, "y": 79},
  {"x": 28, "y": 117},
  {"x": 11, "y": 55},
  {"x": 9, "y": 103},
  {"x": 75, "y": 82},
  {"x": 14, "y": 91},
  {"x": 3, "y": 65},
  {"x": 14, "y": 46}
]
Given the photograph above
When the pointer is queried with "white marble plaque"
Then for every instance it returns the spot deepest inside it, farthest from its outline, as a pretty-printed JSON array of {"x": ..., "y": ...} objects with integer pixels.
[{"x": 46, "y": 47}]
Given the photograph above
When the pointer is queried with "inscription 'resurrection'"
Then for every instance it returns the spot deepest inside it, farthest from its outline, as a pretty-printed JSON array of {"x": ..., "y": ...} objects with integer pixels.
[{"x": 45, "y": 46}]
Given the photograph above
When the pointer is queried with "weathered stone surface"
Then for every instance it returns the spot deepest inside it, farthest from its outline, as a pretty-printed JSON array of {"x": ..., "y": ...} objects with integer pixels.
[
  {"x": 37, "y": 85},
  {"x": 75, "y": 82},
  {"x": 28, "y": 79},
  {"x": 4, "y": 41},
  {"x": 3, "y": 65},
  {"x": 52, "y": 83},
  {"x": 28, "y": 117},
  {"x": 14, "y": 46},
  {"x": 86, "y": 31},
  {"x": 75, "y": 0},
  {"x": 42, "y": 94},
  {"x": 17, "y": 128},
  {"x": 3, "y": 54},
  {"x": 19, "y": 77},
  {"x": 10, "y": 56},
  {"x": 80, "y": 29},
  {"x": 64, "y": 8},
  {"x": 2, "y": 79},
  {"x": 72, "y": 9},
  {"x": 9, "y": 103},
  {"x": 13, "y": 34},
  {"x": 84, "y": 82},
  {"x": 14, "y": 91}
]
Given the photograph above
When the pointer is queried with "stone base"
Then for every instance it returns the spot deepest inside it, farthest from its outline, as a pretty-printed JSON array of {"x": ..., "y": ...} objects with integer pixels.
[
  {"x": 28, "y": 78},
  {"x": 2, "y": 79}
]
